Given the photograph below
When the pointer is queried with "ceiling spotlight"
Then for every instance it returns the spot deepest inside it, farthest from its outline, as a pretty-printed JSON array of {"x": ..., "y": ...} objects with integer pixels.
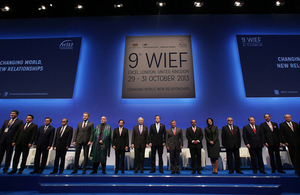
[
  {"x": 79, "y": 7},
  {"x": 5, "y": 9},
  {"x": 198, "y": 3},
  {"x": 238, "y": 3},
  {"x": 279, "y": 3},
  {"x": 42, "y": 7},
  {"x": 51, "y": 5},
  {"x": 118, "y": 5},
  {"x": 161, "y": 4}
]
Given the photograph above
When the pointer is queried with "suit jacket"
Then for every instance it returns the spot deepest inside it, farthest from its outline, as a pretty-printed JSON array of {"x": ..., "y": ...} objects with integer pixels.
[
  {"x": 288, "y": 135},
  {"x": 9, "y": 135},
  {"x": 139, "y": 140},
  {"x": 157, "y": 139},
  {"x": 65, "y": 140},
  {"x": 197, "y": 135},
  {"x": 174, "y": 141},
  {"x": 43, "y": 140},
  {"x": 120, "y": 141},
  {"x": 26, "y": 137},
  {"x": 273, "y": 138},
  {"x": 230, "y": 141},
  {"x": 84, "y": 136},
  {"x": 255, "y": 140}
]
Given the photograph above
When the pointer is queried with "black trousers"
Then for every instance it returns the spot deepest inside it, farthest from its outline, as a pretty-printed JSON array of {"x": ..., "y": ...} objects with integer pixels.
[
  {"x": 275, "y": 150},
  {"x": 44, "y": 152},
  {"x": 139, "y": 155},
  {"x": 18, "y": 150},
  {"x": 256, "y": 155},
  {"x": 96, "y": 165},
  {"x": 59, "y": 154},
  {"x": 292, "y": 152},
  {"x": 77, "y": 155},
  {"x": 237, "y": 161},
  {"x": 196, "y": 158},
  {"x": 153, "y": 156},
  {"x": 8, "y": 148},
  {"x": 118, "y": 154},
  {"x": 175, "y": 158}
]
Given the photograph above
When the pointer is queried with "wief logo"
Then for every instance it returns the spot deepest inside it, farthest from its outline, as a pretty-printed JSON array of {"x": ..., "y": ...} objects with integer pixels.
[
  {"x": 66, "y": 44},
  {"x": 5, "y": 94}
]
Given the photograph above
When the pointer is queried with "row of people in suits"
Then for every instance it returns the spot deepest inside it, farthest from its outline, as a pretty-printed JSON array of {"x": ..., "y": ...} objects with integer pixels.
[{"x": 23, "y": 136}]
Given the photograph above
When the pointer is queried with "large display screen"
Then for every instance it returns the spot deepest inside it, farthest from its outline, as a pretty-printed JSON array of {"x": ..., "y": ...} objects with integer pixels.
[{"x": 38, "y": 68}]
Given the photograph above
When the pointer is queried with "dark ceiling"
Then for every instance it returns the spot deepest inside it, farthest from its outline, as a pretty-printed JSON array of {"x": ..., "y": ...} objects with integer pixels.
[{"x": 67, "y": 8}]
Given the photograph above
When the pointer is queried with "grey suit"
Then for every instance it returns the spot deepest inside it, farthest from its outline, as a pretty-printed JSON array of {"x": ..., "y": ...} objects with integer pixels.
[
  {"x": 82, "y": 137},
  {"x": 174, "y": 142}
]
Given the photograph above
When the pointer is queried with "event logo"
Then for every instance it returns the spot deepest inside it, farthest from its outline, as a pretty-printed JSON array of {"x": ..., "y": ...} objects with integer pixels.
[
  {"x": 66, "y": 44},
  {"x": 182, "y": 44},
  {"x": 135, "y": 45},
  {"x": 276, "y": 92},
  {"x": 251, "y": 41},
  {"x": 5, "y": 94}
]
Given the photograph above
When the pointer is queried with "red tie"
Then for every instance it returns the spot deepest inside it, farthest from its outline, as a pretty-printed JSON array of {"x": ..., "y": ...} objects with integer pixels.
[
  {"x": 83, "y": 126},
  {"x": 231, "y": 129},
  {"x": 253, "y": 129},
  {"x": 174, "y": 131},
  {"x": 194, "y": 128}
]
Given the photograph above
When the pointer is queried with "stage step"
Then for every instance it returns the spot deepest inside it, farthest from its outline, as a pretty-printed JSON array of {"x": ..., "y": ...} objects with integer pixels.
[{"x": 163, "y": 184}]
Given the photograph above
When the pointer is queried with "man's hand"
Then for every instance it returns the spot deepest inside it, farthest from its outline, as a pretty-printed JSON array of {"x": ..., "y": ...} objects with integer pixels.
[
  {"x": 89, "y": 143},
  {"x": 114, "y": 147},
  {"x": 126, "y": 148},
  {"x": 211, "y": 143},
  {"x": 181, "y": 147},
  {"x": 146, "y": 145},
  {"x": 67, "y": 147},
  {"x": 13, "y": 144},
  {"x": 195, "y": 142},
  {"x": 267, "y": 144},
  {"x": 280, "y": 144},
  {"x": 34, "y": 146},
  {"x": 287, "y": 144},
  {"x": 248, "y": 145},
  {"x": 47, "y": 147},
  {"x": 164, "y": 144},
  {"x": 53, "y": 148},
  {"x": 29, "y": 145},
  {"x": 168, "y": 148},
  {"x": 74, "y": 143},
  {"x": 100, "y": 142},
  {"x": 150, "y": 144}
]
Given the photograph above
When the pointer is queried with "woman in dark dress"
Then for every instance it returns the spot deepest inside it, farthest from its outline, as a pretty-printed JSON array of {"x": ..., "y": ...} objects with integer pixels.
[{"x": 213, "y": 144}]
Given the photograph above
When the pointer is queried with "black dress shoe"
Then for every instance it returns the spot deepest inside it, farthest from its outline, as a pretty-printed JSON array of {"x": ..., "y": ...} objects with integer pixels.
[
  {"x": 12, "y": 172},
  {"x": 116, "y": 172},
  {"x": 178, "y": 172},
  {"x": 141, "y": 171},
  {"x": 4, "y": 171},
  {"x": 61, "y": 172},
  {"x": 123, "y": 172},
  {"x": 281, "y": 171},
  {"x": 20, "y": 172},
  {"x": 161, "y": 171},
  {"x": 263, "y": 172},
  {"x": 53, "y": 172},
  {"x": 193, "y": 172},
  {"x": 33, "y": 172},
  {"x": 135, "y": 171},
  {"x": 84, "y": 172},
  {"x": 240, "y": 172},
  {"x": 230, "y": 172},
  {"x": 215, "y": 172},
  {"x": 199, "y": 172},
  {"x": 152, "y": 171},
  {"x": 254, "y": 172},
  {"x": 273, "y": 171},
  {"x": 40, "y": 172},
  {"x": 73, "y": 172},
  {"x": 172, "y": 172},
  {"x": 93, "y": 172},
  {"x": 104, "y": 172}
]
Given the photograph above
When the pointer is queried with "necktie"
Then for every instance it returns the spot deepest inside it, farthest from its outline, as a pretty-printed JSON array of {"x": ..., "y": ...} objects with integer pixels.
[
  {"x": 253, "y": 129},
  {"x": 231, "y": 129},
  {"x": 174, "y": 131},
  {"x": 141, "y": 129},
  {"x": 61, "y": 131},
  {"x": 270, "y": 125},
  {"x": 45, "y": 129},
  {"x": 120, "y": 131},
  {"x": 10, "y": 122},
  {"x": 291, "y": 124},
  {"x": 194, "y": 129},
  {"x": 83, "y": 125},
  {"x": 26, "y": 126}
]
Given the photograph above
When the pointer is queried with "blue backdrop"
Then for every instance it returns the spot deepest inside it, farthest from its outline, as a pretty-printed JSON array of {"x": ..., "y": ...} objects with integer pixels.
[{"x": 219, "y": 83}]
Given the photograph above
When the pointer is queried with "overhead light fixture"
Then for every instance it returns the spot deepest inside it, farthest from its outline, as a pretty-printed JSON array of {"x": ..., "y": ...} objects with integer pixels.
[
  {"x": 118, "y": 5},
  {"x": 5, "y": 9},
  {"x": 238, "y": 3},
  {"x": 51, "y": 5},
  {"x": 79, "y": 7},
  {"x": 161, "y": 4},
  {"x": 42, "y": 7},
  {"x": 280, "y": 3},
  {"x": 198, "y": 4}
]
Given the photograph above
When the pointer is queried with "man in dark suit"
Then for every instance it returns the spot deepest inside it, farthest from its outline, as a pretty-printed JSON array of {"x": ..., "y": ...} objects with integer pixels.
[
  {"x": 289, "y": 131},
  {"x": 120, "y": 143},
  {"x": 231, "y": 140},
  {"x": 7, "y": 133},
  {"x": 174, "y": 143},
  {"x": 194, "y": 136},
  {"x": 83, "y": 138},
  {"x": 273, "y": 140},
  {"x": 139, "y": 142},
  {"x": 61, "y": 145},
  {"x": 23, "y": 140},
  {"x": 43, "y": 143},
  {"x": 157, "y": 141},
  {"x": 254, "y": 140}
]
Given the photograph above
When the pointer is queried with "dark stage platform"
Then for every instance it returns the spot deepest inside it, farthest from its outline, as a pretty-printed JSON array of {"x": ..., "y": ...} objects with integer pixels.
[{"x": 184, "y": 183}]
